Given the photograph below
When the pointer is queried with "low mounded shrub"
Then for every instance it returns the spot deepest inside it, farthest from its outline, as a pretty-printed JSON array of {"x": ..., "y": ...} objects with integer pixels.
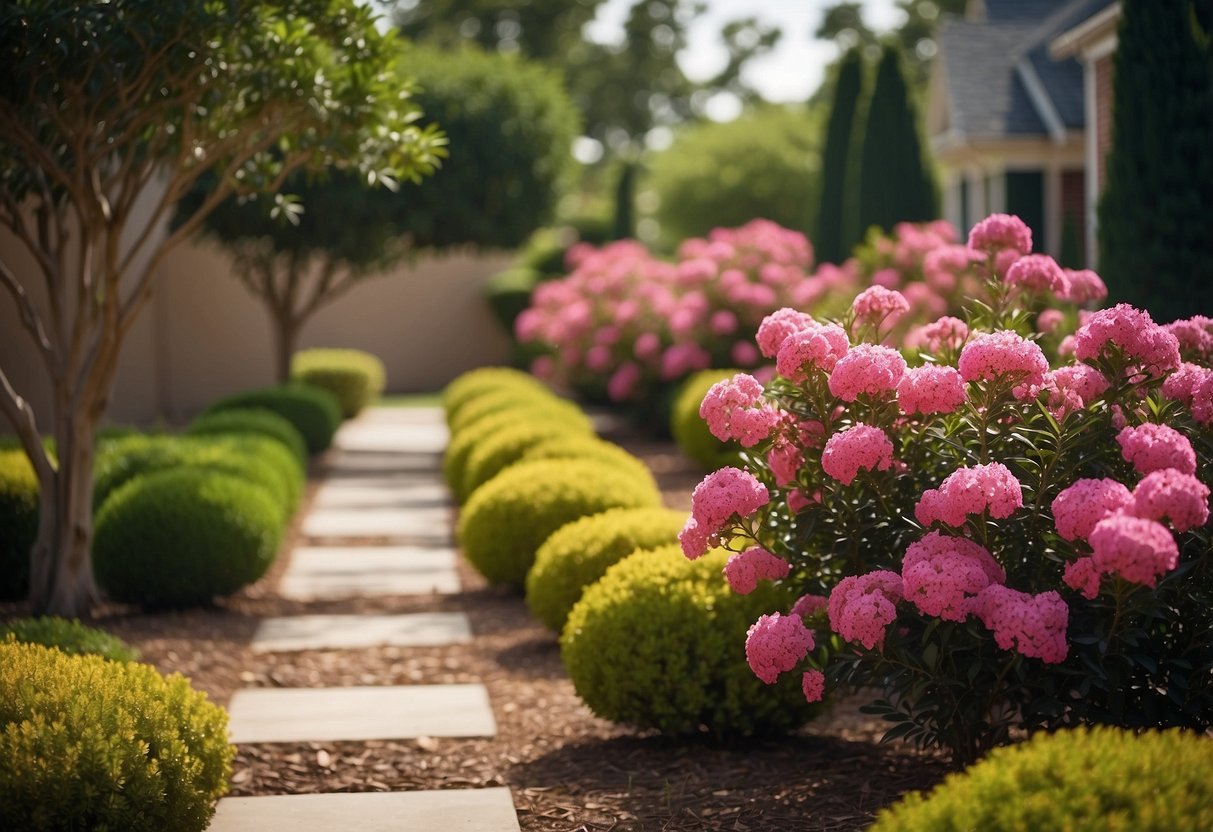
[
  {"x": 315, "y": 413},
  {"x": 87, "y": 743},
  {"x": 18, "y": 522},
  {"x": 576, "y": 446},
  {"x": 689, "y": 429},
  {"x": 508, "y": 519},
  {"x": 658, "y": 642},
  {"x": 69, "y": 636},
  {"x": 475, "y": 383},
  {"x": 251, "y": 420},
  {"x": 580, "y": 553},
  {"x": 177, "y": 538},
  {"x": 354, "y": 377},
  {"x": 509, "y": 292},
  {"x": 491, "y": 404},
  {"x": 500, "y": 449},
  {"x": 1078, "y": 780}
]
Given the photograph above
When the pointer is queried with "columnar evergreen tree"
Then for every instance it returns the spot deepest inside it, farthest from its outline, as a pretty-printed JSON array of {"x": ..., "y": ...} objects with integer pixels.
[
  {"x": 625, "y": 202},
  {"x": 895, "y": 183},
  {"x": 832, "y": 240},
  {"x": 1155, "y": 245}
]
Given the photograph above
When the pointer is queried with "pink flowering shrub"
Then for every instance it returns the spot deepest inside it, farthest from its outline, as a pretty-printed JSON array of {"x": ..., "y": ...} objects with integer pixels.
[{"x": 1007, "y": 521}]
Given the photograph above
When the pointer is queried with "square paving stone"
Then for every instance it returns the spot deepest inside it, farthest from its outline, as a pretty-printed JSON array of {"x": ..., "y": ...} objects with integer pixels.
[
  {"x": 360, "y": 713},
  {"x": 338, "y": 632},
  {"x": 355, "y": 463},
  {"x": 377, "y": 437},
  {"x": 385, "y": 492},
  {"x": 433, "y": 415},
  {"x": 448, "y": 810},
  {"x": 430, "y": 524},
  {"x": 343, "y": 571}
]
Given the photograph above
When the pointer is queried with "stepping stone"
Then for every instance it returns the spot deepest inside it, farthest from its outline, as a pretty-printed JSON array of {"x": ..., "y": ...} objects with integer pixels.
[
  {"x": 453, "y": 810},
  {"x": 381, "y": 492},
  {"x": 388, "y": 712},
  {"x": 330, "y": 572},
  {"x": 354, "y": 463},
  {"x": 339, "y": 632},
  {"x": 428, "y": 524},
  {"x": 383, "y": 438},
  {"x": 402, "y": 416}
]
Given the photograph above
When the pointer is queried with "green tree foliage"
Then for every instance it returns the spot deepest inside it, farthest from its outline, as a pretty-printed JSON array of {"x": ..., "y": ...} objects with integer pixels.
[
  {"x": 895, "y": 184},
  {"x": 843, "y": 23},
  {"x": 542, "y": 29},
  {"x": 833, "y": 241},
  {"x": 110, "y": 112},
  {"x": 1155, "y": 249}
]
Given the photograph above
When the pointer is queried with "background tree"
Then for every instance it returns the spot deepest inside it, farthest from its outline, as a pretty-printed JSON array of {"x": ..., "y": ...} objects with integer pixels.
[
  {"x": 833, "y": 240},
  {"x": 109, "y": 109},
  {"x": 844, "y": 24},
  {"x": 624, "y": 224},
  {"x": 1155, "y": 245},
  {"x": 895, "y": 183}
]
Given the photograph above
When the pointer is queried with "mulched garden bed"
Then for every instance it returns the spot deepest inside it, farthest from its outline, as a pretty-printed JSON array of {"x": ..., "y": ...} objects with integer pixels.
[{"x": 567, "y": 769}]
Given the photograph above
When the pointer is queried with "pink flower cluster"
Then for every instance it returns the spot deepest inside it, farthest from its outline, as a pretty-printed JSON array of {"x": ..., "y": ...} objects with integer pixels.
[
  {"x": 862, "y": 606},
  {"x": 1167, "y": 494},
  {"x": 1195, "y": 337},
  {"x": 775, "y": 644},
  {"x": 941, "y": 575},
  {"x": 1073, "y": 387},
  {"x": 1005, "y": 354},
  {"x": 1192, "y": 385},
  {"x": 813, "y": 684},
  {"x": 1033, "y": 625},
  {"x": 721, "y": 496},
  {"x": 946, "y": 333},
  {"x": 968, "y": 491},
  {"x": 1038, "y": 273},
  {"x": 1151, "y": 447},
  {"x": 1079, "y": 507},
  {"x": 1085, "y": 287},
  {"x": 859, "y": 447},
  {"x": 735, "y": 409},
  {"x": 930, "y": 389},
  {"x": 1135, "y": 548},
  {"x": 877, "y": 304},
  {"x": 999, "y": 232},
  {"x": 1147, "y": 346},
  {"x": 777, "y": 326},
  {"x": 745, "y": 569},
  {"x": 816, "y": 347},
  {"x": 867, "y": 368},
  {"x": 807, "y": 606}
]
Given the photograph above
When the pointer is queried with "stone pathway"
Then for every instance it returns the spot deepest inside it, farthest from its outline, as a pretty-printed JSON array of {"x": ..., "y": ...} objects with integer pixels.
[{"x": 380, "y": 524}]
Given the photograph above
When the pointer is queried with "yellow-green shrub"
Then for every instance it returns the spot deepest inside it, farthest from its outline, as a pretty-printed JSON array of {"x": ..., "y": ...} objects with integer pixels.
[
  {"x": 659, "y": 642},
  {"x": 579, "y": 553},
  {"x": 69, "y": 636},
  {"x": 500, "y": 401},
  {"x": 508, "y": 518},
  {"x": 586, "y": 447},
  {"x": 354, "y": 377},
  {"x": 18, "y": 522},
  {"x": 87, "y": 743},
  {"x": 689, "y": 429},
  {"x": 262, "y": 422},
  {"x": 1073, "y": 781},
  {"x": 475, "y": 383}
]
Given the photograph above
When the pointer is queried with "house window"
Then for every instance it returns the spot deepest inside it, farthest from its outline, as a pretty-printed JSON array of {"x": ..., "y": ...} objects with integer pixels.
[{"x": 1026, "y": 200}]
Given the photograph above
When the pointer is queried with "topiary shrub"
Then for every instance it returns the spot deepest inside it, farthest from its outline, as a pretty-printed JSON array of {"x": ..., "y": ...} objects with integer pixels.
[
  {"x": 658, "y": 642},
  {"x": 87, "y": 743},
  {"x": 251, "y": 420},
  {"x": 475, "y": 383},
  {"x": 354, "y": 377},
  {"x": 18, "y": 522},
  {"x": 71, "y": 637},
  {"x": 578, "y": 446},
  {"x": 315, "y": 413},
  {"x": 578, "y": 554},
  {"x": 689, "y": 429},
  {"x": 508, "y": 519},
  {"x": 1078, "y": 781},
  {"x": 178, "y": 538},
  {"x": 491, "y": 404},
  {"x": 499, "y": 449}
]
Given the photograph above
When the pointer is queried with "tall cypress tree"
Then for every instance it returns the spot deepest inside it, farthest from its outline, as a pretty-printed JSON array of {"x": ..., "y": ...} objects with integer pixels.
[
  {"x": 624, "y": 222},
  {"x": 895, "y": 183},
  {"x": 832, "y": 240},
  {"x": 1156, "y": 215}
]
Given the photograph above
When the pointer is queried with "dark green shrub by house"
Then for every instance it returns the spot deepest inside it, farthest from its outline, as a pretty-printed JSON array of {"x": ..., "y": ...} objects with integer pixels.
[
  {"x": 18, "y": 522},
  {"x": 177, "y": 538},
  {"x": 659, "y": 642},
  {"x": 251, "y": 420},
  {"x": 689, "y": 429},
  {"x": 578, "y": 554},
  {"x": 1083, "y": 780},
  {"x": 508, "y": 519},
  {"x": 354, "y": 377},
  {"x": 87, "y": 743},
  {"x": 69, "y": 636},
  {"x": 315, "y": 413}
]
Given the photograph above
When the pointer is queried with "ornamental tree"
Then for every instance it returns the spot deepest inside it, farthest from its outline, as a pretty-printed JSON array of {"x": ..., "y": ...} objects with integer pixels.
[
  {"x": 112, "y": 109},
  {"x": 833, "y": 239}
]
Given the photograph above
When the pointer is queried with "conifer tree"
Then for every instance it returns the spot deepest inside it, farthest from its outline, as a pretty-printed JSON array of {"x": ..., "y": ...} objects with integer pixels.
[
  {"x": 624, "y": 225},
  {"x": 833, "y": 240},
  {"x": 1155, "y": 240}
]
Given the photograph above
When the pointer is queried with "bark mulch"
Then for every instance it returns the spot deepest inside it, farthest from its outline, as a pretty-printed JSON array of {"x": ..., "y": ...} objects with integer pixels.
[{"x": 567, "y": 769}]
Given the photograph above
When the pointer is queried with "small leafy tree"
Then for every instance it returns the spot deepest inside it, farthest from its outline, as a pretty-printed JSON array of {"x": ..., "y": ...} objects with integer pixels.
[
  {"x": 110, "y": 108},
  {"x": 833, "y": 239}
]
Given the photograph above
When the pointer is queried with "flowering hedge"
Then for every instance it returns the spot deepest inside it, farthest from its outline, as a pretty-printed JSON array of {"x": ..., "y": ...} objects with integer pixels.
[{"x": 997, "y": 536}]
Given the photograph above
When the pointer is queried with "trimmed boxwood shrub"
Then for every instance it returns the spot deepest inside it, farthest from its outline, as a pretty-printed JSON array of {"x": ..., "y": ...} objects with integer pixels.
[
  {"x": 508, "y": 519},
  {"x": 315, "y": 413},
  {"x": 690, "y": 431},
  {"x": 240, "y": 421},
  {"x": 18, "y": 522},
  {"x": 490, "y": 404},
  {"x": 354, "y": 377},
  {"x": 475, "y": 383},
  {"x": 69, "y": 636},
  {"x": 578, "y": 554},
  {"x": 178, "y": 538},
  {"x": 1082, "y": 780},
  {"x": 658, "y": 642},
  {"x": 87, "y": 743},
  {"x": 577, "y": 446}
]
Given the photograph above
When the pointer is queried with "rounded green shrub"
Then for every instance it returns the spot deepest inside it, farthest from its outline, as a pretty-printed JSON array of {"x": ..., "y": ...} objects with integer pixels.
[
  {"x": 354, "y": 377},
  {"x": 251, "y": 420},
  {"x": 578, "y": 554},
  {"x": 578, "y": 446},
  {"x": 18, "y": 522},
  {"x": 508, "y": 519},
  {"x": 177, "y": 538},
  {"x": 475, "y": 383},
  {"x": 1082, "y": 780},
  {"x": 69, "y": 636},
  {"x": 659, "y": 642},
  {"x": 315, "y": 413},
  {"x": 689, "y": 429},
  {"x": 87, "y": 743},
  {"x": 508, "y": 294},
  {"x": 491, "y": 404}
]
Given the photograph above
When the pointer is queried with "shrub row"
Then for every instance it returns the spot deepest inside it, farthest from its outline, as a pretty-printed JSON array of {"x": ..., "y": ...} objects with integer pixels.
[{"x": 354, "y": 377}]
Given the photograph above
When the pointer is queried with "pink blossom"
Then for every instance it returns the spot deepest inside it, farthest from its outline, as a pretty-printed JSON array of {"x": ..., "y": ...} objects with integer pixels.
[
  {"x": 1085, "y": 287},
  {"x": 798, "y": 501},
  {"x": 862, "y": 606},
  {"x": 1004, "y": 354},
  {"x": 807, "y": 606},
  {"x": 1151, "y": 447},
  {"x": 722, "y": 322},
  {"x": 779, "y": 325},
  {"x": 1073, "y": 387},
  {"x": 1066, "y": 347},
  {"x": 867, "y": 368},
  {"x": 745, "y": 569},
  {"x": 647, "y": 346},
  {"x": 887, "y": 278},
  {"x": 785, "y": 459},
  {"x": 1195, "y": 335},
  {"x": 775, "y": 644},
  {"x": 967, "y": 491},
  {"x": 744, "y": 354},
  {"x": 543, "y": 367},
  {"x": 1202, "y": 399},
  {"x": 813, "y": 683},
  {"x": 720, "y": 496},
  {"x": 1133, "y": 332},
  {"x": 876, "y": 303},
  {"x": 1001, "y": 231},
  {"x": 1173, "y": 495},
  {"x": 680, "y": 359},
  {"x": 930, "y": 389},
  {"x": 817, "y": 346},
  {"x": 735, "y": 409},
  {"x": 1136, "y": 548},
  {"x": 941, "y": 266},
  {"x": 940, "y": 575},
  {"x": 1033, "y": 625},
  {"x": 1049, "y": 319},
  {"x": 947, "y": 333},
  {"x": 1038, "y": 273},
  {"x": 1079, "y": 507},
  {"x": 1180, "y": 384},
  {"x": 1083, "y": 576},
  {"x": 859, "y": 447},
  {"x": 623, "y": 381}
]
